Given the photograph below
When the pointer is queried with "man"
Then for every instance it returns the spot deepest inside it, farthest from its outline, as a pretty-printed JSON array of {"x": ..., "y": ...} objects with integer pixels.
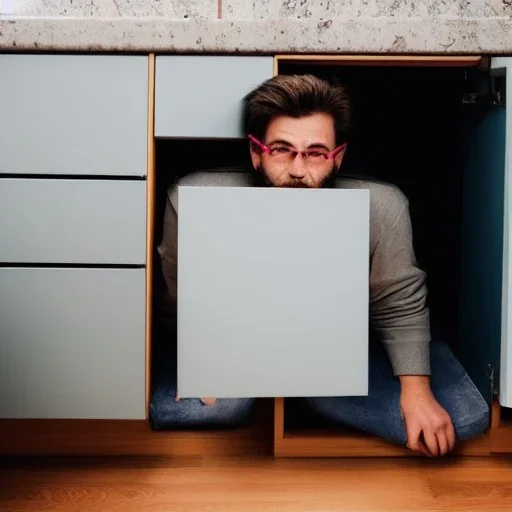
[{"x": 419, "y": 395}]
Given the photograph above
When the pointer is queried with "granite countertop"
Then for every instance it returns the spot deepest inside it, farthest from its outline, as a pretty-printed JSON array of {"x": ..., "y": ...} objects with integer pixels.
[
  {"x": 258, "y": 26},
  {"x": 372, "y": 35}
]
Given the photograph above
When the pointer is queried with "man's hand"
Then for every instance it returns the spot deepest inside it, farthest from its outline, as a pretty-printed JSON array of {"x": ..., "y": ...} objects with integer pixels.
[
  {"x": 429, "y": 427},
  {"x": 206, "y": 401}
]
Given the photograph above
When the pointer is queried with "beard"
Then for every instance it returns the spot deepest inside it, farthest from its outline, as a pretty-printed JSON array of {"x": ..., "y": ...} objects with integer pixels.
[
  {"x": 294, "y": 183},
  {"x": 262, "y": 179}
]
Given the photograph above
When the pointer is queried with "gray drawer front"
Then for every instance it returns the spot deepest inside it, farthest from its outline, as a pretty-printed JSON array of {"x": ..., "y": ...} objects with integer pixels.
[
  {"x": 72, "y": 343},
  {"x": 72, "y": 221},
  {"x": 198, "y": 96},
  {"x": 73, "y": 114}
]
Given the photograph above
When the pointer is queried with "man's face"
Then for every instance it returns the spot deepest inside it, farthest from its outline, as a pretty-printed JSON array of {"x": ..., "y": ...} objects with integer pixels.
[{"x": 313, "y": 133}]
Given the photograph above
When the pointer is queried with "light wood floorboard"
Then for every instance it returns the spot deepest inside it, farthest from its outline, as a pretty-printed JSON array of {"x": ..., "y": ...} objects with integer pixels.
[{"x": 256, "y": 484}]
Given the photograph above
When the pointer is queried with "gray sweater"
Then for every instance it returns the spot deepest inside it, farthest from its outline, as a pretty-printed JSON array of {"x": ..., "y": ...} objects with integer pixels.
[{"x": 398, "y": 310}]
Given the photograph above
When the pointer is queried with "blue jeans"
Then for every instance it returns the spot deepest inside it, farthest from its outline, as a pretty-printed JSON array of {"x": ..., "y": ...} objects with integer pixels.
[{"x": 378, "y": 413}]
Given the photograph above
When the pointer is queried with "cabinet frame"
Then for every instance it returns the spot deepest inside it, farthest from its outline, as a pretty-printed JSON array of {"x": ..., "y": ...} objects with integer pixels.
[{"x": 150, "y": 220}]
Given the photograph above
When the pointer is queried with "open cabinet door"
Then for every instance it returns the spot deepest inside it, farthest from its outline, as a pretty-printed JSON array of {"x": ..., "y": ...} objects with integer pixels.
[
  {"x": 484, "y": 347},
  {"x": 503, "y": 66}
]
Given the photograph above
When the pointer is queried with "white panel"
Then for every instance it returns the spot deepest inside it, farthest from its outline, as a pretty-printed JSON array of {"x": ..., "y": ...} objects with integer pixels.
[
  {"x": 72, "y": 343},
  {"x": 73, "y": 221},
  {"x": 201, "y": 96},
  {"x": 73, "y": 114},
  {"x": 504, "y": 65},
  {"x": 272, "y": 299}
]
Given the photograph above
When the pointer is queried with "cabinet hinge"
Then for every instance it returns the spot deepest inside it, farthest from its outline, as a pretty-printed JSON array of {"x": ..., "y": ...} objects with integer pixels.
[{"x": 494, "y": 97}]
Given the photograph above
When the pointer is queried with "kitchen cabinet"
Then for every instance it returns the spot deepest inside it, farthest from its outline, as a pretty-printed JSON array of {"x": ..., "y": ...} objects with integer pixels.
[
  {"x": 76, "y": 146},
  {"x": 73, "y": 213}
]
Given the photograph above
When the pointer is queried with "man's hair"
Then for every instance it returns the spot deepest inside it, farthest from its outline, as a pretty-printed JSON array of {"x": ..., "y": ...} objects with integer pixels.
[{"x": 296, "y": 96}]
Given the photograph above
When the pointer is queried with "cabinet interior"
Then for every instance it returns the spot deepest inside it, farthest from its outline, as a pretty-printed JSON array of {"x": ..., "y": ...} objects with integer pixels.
[{"x": 409, "y": 130}]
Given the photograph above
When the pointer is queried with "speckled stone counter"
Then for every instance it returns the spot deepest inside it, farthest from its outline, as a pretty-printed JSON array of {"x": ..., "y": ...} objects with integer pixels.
[{"x": 264, "y": 26}]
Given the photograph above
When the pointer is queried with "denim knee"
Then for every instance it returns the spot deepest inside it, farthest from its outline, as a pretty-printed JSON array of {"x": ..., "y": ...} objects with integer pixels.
[
  {"x": 471, "y": 417},
  {"x": 166, "y": 413}
]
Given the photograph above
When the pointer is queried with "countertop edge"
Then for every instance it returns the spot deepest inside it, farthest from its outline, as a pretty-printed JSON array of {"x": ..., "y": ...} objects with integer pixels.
[{"x": 361, "y": 35}]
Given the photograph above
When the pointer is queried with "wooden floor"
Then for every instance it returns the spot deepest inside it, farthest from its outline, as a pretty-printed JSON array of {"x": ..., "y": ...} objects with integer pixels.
[{"x": 257, "y": 484}]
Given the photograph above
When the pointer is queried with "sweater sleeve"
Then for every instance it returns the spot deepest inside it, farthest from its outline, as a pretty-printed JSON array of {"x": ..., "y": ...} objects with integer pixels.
[
  {"x": 168, "y": 253},
  {"x": 398, "y": 298}
]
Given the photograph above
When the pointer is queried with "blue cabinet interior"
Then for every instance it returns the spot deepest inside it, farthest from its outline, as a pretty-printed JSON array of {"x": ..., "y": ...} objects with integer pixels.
[{"x": 482, "y": 242}]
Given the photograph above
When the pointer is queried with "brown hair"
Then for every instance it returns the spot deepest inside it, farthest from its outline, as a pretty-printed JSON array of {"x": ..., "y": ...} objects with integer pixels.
[{"x": 296, "y": 96}]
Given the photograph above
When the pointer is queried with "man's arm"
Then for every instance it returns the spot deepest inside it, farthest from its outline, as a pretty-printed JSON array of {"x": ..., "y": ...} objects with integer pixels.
[
  {"x": 398, "y": 296},
  {"x": 400, "y": 316},
  {"x": 168, "y": 251}
]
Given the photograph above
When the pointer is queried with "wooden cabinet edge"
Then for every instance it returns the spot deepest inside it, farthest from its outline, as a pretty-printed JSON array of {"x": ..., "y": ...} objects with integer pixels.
[
  {"x": 276, "y": 65},
  {"x": 150, "y": 229},
  {"x": 495, "y": 414},
  {"x": 362, "y": 447},
  {"x": 122, "y": 437},
  {"x": 501, "y": 440},
  {"x": 61, "y": 437},
  {"x": 379, "y": 60},
  {"x": 278, "y": 424},
  {"x": 500, "y": 432}
]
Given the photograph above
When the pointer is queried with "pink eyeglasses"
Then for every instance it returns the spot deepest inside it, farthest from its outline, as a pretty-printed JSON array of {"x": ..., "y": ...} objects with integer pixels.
[{"x": 287, "y": 153}]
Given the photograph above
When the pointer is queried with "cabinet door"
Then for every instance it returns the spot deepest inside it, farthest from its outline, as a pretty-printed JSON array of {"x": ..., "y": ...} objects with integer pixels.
[
  {"x": 250, "y": 337},
  {"x": 73, "y": 114},
  {"x": 485, "y": 347},
  {"x": 198, "y": 96},
  {"x": 73, "y": 221},
  {"x": 503, "y": 67},
  {"x": 72, "y": 343}
]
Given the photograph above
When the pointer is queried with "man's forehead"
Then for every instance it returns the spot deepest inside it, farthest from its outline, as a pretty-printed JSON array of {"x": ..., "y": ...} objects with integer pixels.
[{"x": 316, "y": 128}]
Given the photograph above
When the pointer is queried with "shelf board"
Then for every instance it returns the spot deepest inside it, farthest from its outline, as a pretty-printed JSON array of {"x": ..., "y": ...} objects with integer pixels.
[
  {"x": 381, "y": 60},
  {"x": 331, "y": 443}
]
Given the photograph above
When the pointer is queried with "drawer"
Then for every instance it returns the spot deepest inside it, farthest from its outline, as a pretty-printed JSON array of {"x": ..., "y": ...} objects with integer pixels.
[
  {"x": 72, "y": 343},
  {"x": 72, "y": 221},
  {"x": 73, "y": 114},
  {"x": 200, "y": 96}
]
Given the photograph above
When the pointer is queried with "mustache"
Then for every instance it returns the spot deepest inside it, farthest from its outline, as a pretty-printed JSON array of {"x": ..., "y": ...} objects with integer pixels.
[
  {"x": 294, "y": 184},
  {"x": 262, "y": 176}
]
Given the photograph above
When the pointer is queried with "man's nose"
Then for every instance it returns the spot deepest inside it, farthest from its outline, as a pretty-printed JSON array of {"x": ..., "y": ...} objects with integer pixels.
[{"x": 297, "y": 167}]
